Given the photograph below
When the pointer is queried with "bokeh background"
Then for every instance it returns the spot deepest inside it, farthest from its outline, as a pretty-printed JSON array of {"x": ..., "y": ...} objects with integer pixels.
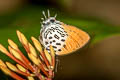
[{"x": 98, "y": 60}]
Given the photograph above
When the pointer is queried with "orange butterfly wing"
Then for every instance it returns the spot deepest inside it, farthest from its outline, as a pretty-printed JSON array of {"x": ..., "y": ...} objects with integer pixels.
[{"x": 76, "y": 39}]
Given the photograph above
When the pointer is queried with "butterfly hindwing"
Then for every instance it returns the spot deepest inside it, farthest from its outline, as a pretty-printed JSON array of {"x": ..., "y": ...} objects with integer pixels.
[{"x": 76, "y": 39}]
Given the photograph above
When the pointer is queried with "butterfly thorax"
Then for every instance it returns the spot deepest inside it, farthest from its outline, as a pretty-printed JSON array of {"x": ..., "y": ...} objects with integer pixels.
[{"x": 53, "y": 33}]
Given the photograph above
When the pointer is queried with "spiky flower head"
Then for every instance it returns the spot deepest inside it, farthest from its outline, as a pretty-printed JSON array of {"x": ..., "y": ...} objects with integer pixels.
[{"x": 41, "y": 64}]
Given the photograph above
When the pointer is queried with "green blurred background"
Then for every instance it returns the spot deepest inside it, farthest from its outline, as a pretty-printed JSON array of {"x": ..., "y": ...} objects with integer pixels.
[{"x": 98, "y": 60}]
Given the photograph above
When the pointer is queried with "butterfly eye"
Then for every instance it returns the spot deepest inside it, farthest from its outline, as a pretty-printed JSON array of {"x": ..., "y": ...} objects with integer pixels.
[
  {"x": 52, "y": 20},
  {"x": 43, "y": 23}
]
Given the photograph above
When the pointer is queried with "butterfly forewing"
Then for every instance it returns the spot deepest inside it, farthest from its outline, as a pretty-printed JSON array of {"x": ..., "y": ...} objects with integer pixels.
[{"x": 53, "y": 35}]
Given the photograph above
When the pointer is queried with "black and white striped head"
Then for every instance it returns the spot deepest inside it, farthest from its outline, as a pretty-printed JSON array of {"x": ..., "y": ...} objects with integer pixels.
[{"x": 48, "y": 20}]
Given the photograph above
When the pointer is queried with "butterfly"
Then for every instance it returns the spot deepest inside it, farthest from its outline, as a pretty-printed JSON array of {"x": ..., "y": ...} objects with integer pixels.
[{"x": 64, "y": 38}]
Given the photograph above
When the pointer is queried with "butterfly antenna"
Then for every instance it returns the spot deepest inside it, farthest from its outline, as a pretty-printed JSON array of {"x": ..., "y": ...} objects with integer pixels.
[
  {"x": 55, "y": 16},
  {"x": 48, "y": 13},
  {"x": 44, "y": 15}
]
